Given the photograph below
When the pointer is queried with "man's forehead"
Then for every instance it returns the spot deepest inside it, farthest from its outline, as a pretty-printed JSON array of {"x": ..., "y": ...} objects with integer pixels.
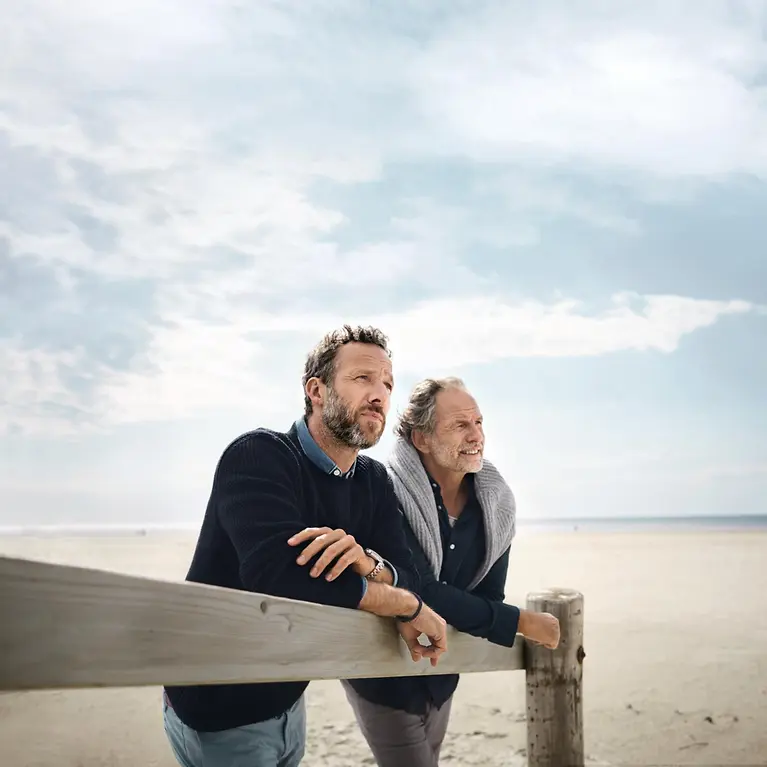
[
  {"x": 454, "y": 404},
  {"x": 369, "y": 355}
]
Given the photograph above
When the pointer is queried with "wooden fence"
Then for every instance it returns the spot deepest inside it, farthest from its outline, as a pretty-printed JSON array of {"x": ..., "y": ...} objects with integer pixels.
[{"x": 72, "y": 627}]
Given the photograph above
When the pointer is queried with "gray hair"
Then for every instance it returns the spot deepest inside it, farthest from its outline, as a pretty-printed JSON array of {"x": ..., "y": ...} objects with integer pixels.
[{"x": 420, "y": 414}]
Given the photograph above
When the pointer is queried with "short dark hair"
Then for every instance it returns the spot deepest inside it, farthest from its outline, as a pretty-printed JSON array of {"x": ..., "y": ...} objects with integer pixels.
[
  {"x": 420, "y": 413},
  {"x": 321, "y": 361}
]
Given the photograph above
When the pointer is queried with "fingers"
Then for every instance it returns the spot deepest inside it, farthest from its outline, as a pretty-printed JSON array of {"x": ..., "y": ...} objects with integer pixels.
[
  {"x": 335, "y": 544},
  {"x": 319, "y": 543},
  {"x": 432, "y": 652},
  {"x": 349, "y": 558},
  {"x": 437, "y": 636},
  {"x": 333, "y": 551},
  {"x": 411, "y": 640},
  {"x": 307, "y": 534},
  {"x": 416, "y": 649},
  {"x": 431, "y": 624},
  {"x": 419, "y": 651},
  {"x": 410, "y": 634}
]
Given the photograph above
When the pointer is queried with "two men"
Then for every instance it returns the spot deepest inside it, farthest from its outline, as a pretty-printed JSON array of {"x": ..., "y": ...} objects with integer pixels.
[
  {"x": 460, "y": 525},
  {"x": 301, "y": 514}
]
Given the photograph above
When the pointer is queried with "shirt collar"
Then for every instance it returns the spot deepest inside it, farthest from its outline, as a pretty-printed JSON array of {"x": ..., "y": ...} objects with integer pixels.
[{"x": 317, "y": 455}]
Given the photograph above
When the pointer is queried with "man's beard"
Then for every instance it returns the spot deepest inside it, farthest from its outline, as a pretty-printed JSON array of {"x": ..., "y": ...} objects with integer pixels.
[
  {"x": 453, "y": 460},
  {"x": 342, "y": 425}
]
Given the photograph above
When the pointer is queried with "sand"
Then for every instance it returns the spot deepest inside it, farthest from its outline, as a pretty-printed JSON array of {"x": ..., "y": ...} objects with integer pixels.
[{"x": 675, "y": 669}]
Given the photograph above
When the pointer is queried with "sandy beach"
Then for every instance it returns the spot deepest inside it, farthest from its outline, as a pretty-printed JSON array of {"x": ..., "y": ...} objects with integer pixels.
[{"x": 675, "y": 669}]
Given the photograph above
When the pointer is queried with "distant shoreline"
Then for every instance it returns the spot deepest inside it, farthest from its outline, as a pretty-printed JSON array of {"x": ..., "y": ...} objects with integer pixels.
[{"x": 735, "y": 523}]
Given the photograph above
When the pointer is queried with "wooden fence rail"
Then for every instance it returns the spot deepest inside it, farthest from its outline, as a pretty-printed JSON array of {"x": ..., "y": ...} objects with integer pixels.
[{"x": 72, "y": 627}]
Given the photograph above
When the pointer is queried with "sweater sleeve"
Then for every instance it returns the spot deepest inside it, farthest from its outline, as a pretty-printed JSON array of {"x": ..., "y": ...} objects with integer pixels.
[
  {"x": 260, "y": 506},
  {"x": 481, "y": 612}
]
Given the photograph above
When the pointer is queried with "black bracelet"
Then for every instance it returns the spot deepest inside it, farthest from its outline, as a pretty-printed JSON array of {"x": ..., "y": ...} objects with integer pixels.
[{"x": 409, "y": 618}]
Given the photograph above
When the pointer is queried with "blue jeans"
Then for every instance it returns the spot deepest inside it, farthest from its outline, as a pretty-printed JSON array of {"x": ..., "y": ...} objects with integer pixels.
[{"x": 278, "y": 742}]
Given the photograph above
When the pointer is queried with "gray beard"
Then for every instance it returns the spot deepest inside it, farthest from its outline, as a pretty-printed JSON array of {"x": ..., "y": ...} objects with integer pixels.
[{"x": 341, "y": 425}]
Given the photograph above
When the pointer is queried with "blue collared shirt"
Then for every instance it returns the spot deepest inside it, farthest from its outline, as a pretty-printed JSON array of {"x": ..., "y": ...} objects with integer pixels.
[
  {"x": 317, "y": 455},
  {"x": 325, "y": 463}
]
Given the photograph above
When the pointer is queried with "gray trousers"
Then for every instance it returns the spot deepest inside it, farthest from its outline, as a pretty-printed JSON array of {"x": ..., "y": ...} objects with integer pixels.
[{"x": 397, "y": 738}]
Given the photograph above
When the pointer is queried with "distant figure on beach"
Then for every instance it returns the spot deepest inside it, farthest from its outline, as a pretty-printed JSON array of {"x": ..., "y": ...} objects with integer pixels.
[
  {"x": 461, "y": 518},
  {"x": 301, "y": 514}
]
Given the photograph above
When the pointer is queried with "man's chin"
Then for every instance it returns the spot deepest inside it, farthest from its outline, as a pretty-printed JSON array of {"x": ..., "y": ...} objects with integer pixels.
[
  {"x": 374, "y": 433},
  {"x": 369, "y": 432},
  {"x": 473, "y": 464}
]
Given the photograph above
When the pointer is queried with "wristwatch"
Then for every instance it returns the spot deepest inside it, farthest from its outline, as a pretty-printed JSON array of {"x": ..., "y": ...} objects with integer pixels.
[{"x": 379, "y": 564}]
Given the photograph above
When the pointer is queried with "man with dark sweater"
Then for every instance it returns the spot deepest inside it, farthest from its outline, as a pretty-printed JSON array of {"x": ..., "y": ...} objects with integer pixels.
[{"x": 300, "y": 514}]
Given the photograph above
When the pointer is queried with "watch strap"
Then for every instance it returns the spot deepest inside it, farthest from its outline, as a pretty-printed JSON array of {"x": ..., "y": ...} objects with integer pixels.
[{"x": 380, "y": 564}]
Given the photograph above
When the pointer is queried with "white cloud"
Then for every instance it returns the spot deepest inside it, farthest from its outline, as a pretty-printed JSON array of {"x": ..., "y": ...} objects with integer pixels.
[
  {"x": 197, "y": 366},
  {"x": 658, "y": 88},
  {"x": 148, "y": 98},
  {"x": 209, "y": 125},
  {"x": 36, "y": 397},
  {"x": 214, "y": 141},
  {"x": 194, "y": 366},
  {"x": 482, "y": 329}
]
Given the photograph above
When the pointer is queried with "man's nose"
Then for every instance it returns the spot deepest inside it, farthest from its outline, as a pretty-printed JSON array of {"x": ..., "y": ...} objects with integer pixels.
[{"x": 379, "y": 393}]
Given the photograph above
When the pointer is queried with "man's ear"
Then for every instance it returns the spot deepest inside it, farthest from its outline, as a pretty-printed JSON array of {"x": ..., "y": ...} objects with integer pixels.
[
  {"x": 419, "y": 441},
  {"x": 315, "y": 390}
]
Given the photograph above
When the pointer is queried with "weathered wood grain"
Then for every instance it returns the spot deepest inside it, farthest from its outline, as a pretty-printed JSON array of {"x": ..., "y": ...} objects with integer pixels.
[
  {"x": 72, "y": 627},
  {"x": 554, "y": 680}
]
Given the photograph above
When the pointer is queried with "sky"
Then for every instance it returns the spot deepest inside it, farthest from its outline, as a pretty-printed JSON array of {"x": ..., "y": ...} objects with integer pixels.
[{"x": 563, "y": 203}]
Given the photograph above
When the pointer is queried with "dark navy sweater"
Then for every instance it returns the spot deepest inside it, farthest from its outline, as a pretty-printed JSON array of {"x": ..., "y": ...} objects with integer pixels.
[{"x": 265, "y": 490}]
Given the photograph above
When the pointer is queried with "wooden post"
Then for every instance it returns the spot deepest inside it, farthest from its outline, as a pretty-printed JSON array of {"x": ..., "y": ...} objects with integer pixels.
[{"x": 554, "y": 684}]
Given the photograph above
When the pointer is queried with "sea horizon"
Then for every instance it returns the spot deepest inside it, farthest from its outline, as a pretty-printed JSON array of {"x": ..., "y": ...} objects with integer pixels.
[{"x": 649, "y": 523}]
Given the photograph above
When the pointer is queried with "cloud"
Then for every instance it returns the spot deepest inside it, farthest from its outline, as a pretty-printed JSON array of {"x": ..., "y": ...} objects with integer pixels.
[
  {"x": 660, "y": 89},
  {"x": 37, "y": 395},
  {"x": 196, "y": 366},
  {"x": 179, "y": 212},
  {"x": 211, "y": 140},
  {"x": 484, "y": 328},
  {"x": 193, "y": 367}
]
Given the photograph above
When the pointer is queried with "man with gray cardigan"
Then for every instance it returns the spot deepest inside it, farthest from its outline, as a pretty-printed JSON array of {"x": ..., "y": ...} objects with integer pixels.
[{"x": 460, "y": 522}]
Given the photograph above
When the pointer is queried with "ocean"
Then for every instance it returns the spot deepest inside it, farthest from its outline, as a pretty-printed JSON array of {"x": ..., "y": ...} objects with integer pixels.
[{"x": 731, "y": 523}]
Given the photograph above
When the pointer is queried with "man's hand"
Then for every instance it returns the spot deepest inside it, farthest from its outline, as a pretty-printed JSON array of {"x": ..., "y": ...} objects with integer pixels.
[
  {"x": 337, "y": 544},
  {"x": 541, "y": 628},
  {"x": 433, "y": 626}
]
